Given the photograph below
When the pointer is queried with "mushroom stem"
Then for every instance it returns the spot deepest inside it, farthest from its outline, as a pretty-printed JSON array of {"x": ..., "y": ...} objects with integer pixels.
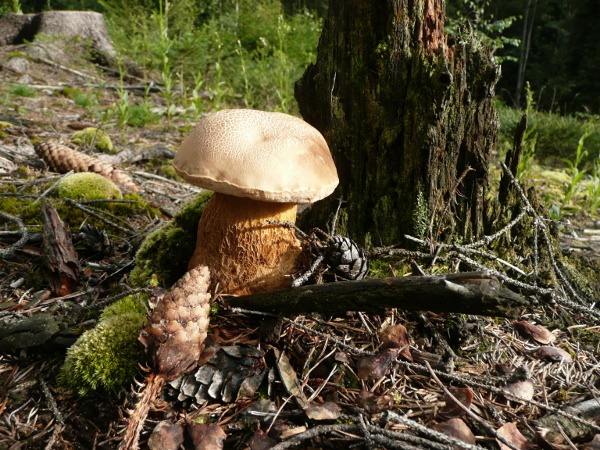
[{"x": 246, "y": 254}]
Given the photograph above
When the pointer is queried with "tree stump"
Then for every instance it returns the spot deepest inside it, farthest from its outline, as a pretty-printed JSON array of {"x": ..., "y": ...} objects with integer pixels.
[
  {"x": 409, "y": 118},
  {"x": 85, "y": 27}
]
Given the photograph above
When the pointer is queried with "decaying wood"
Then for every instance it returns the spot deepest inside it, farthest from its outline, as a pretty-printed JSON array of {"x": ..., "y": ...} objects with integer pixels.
[
  {"x": 53, "y": 328},
  {"x": 63, "y": 159},
  {"x": 470, "y": 293},
  {"x": 173, "y": 338},
  {"x": 59, "y": 255},
  {"x": 566, "y": 423},
  {"x": 394, "y": 98}
]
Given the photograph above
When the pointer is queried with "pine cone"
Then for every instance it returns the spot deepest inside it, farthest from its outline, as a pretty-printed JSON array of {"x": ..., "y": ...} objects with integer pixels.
[
  {"x": 63, "y": 159},
  {"x": 346, "y": 259},
  {"x": 178, "y": 326}
]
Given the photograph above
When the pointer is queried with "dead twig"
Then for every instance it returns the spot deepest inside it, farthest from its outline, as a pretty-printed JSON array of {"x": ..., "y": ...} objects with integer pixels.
[
  {"x": 89, "y": 211},
  {"x": 8, "y": 252}
]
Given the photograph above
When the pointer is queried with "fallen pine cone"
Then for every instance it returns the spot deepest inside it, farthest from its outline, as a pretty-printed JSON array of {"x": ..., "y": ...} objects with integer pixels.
[
  {"x": 63, "y": 159},
  {"x": 173, "y": 338},
  {"x": 175, "y": 334}
]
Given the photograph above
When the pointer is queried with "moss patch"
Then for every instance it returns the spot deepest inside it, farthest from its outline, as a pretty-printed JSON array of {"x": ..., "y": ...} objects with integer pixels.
[
  {"x": 93, "y": 137},
  {"x": 104, "y": 358},
  {"x": 88, "y": 186},
  {"x": 163, "y": 256}
]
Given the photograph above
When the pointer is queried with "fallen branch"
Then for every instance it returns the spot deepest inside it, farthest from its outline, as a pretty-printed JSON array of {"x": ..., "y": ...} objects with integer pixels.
[{"x": 472, "y": 293}]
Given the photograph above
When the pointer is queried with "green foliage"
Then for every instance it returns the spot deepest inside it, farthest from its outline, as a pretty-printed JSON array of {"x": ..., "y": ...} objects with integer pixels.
[
  {"x": 245, "y": 53},
  {"x": 557, "y": 136},
  {"x": 22, "y": 90},
  {"x": 164, "y": 254},
  {"x": 93, "y": 137},
  {"x": 593, "y": 197},
  {"x": 88, "y": 186},
  {"x": 79, "y": 97},
  {"x": 574, "y": 170},
  {"x": 140, "y": 116},
  {"x": 479, "y": 16},
  {"x": 106, "y": 357},
  {"x": 127, "y": 305},
  {"x": 529, "y": 137}
]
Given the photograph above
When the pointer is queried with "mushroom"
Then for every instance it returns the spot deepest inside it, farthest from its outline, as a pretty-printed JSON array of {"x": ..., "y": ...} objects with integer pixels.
[{"x": 260, "y": 165}]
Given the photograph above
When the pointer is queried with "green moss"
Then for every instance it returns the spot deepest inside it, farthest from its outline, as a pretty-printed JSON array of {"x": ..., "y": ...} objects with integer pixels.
[
  {"x": 382, "y": 267},
  {"x": 164, "y": 254},
  {"x": 104, "y": 358},
  {"x": 94, "y": 137},
  {"x": 88, "y": 186},
  {"x": 5, "y": 125},
  {"x": 127, "y": 305}
]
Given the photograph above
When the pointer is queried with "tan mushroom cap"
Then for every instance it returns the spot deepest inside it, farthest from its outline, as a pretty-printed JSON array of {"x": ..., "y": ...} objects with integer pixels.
[{"x": 262, "y": 155}]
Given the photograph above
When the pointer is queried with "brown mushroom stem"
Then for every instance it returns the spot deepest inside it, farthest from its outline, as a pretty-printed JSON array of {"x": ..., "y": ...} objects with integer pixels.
[{"x": 246, "y": 254}]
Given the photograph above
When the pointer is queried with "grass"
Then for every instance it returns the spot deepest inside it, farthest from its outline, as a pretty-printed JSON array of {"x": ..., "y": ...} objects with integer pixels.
[
  {"x": 557, "y": 136},
  {"x": 246, "y": 54},
  {"x": 22, "y": 90}
]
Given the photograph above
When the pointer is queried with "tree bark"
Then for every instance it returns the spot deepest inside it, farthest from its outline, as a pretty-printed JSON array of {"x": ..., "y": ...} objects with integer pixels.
[
  {"x": 409, "y": 119},
  {"x": 469, "y": 293}
]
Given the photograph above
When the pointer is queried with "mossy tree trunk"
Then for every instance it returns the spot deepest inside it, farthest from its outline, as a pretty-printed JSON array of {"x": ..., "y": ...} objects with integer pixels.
[{"x": 409, "y": 118}]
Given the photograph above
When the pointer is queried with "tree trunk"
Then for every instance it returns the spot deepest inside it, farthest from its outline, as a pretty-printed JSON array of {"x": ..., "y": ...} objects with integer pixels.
[{"x": 409, "y": 119}]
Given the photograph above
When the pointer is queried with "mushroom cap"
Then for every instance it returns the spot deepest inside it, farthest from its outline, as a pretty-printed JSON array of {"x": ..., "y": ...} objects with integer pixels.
[{"x": 266, "y": 156}]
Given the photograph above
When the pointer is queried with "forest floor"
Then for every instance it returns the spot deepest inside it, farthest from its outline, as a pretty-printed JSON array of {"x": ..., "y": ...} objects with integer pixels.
[{"x": 534, "y": 383}]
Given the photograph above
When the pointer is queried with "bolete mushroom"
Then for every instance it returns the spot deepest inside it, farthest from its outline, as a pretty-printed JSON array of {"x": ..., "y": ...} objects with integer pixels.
[{"x": 260, "y": 166}]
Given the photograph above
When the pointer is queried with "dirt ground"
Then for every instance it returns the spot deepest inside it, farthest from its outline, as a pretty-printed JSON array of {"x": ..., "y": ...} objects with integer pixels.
[{"x": 320, "y": 382}]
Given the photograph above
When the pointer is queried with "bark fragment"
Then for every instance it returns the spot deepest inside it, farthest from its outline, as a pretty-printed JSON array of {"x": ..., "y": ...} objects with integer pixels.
[{"x": 60, "y": 257}]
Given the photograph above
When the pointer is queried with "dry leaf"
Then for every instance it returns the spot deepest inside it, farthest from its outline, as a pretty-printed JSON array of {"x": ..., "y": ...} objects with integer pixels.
[
  {"x": 166, "y": 436},
  {"x": 552, "y": 354},
  {"x": 374, "y": 404},
  {"x": 261, "y": 441},
  {"x": 456, "y": 428},
  {"x": 536, "y": 332},
  {"x": 452, "y": 409},
  {"x": 289, "y": 378},
  {"x": 376, "y": 366},
  {"x": 207, "y": 436},
  {"x": 396, "y": 336},
  {"x": 594, "y": 444},
  {"x": 324, "y": 411},
  {"x": 521, "y": 389},
  {"x": 510, "y": 432}
]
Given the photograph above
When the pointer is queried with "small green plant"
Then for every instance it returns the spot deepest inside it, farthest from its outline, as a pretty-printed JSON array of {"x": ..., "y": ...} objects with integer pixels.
[
  {"x": 141, "y": 115},
  {"x": 247, "y": 94},
  {"x": 79, "y": 97},
  {"x": 283, "y": 65},
  {"x": 574, "y": 170},
  {"x": 197, "y": 99},
  {"x": 22, "y": 90},
  {"x": 593, "y": 197},
  {"x": 92, "y": 137},
  {"x": 529, "y": 137},
  {"x": 161, "y": 18},
  {"x": 122, "y": 108}
]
